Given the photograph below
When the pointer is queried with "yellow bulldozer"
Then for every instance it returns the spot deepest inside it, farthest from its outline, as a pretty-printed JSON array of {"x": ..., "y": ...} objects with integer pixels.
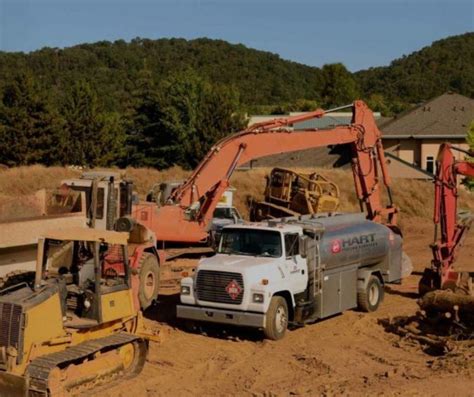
[
  {"x": 78, "y": 324},
  {"x": 289, "y": 193}
]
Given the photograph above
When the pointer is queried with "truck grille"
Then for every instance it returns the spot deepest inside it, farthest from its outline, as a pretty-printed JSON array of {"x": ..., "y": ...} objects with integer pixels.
[
  {"x": 10, "y": 325},
  {"x": 212, "y": 286}
]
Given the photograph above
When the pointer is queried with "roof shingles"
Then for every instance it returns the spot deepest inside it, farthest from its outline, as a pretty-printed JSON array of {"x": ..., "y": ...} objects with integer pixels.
[{"x": 447, "y": 116}]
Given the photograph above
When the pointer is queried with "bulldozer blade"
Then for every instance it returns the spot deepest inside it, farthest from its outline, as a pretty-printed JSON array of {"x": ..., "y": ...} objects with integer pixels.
[{"x": 13, "y": 385}]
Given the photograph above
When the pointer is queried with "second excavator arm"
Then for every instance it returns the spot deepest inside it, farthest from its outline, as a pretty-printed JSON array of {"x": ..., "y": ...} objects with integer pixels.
[{"x": 450, "y": 229}]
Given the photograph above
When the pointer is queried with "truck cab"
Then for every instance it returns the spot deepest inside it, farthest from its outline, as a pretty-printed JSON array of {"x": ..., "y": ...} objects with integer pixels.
[
  {"x": 225, "y": 214},
  {"x": 295, "y": 270}
]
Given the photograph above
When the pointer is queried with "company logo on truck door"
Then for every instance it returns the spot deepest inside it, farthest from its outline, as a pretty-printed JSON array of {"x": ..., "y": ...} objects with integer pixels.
[
  {"x": 233, "y": 289},
  {"x": 356, "y": 242}
]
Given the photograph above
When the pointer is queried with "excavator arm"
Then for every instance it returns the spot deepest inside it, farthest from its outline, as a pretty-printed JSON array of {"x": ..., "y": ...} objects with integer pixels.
[
  {"x": 452, "y": 228},
  {"x": 187, "y": 218}
]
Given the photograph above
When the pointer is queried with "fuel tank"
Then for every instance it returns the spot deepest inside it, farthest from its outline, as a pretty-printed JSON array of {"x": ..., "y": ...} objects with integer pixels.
[{"x": 348, "y": 239}]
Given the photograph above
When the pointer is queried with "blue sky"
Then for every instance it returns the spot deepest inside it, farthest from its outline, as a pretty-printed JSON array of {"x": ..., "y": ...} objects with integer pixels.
[{"x": 359, "y": 33}]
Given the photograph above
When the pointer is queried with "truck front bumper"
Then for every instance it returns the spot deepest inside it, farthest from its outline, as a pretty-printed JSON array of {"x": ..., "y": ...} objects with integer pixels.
[
  {"x": 12, "y": 385},
  {"x": 221, "y": 316}
]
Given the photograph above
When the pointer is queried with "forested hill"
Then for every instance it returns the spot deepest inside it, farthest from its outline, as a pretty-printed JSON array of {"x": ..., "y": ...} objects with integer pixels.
[
  {"x": 261, "y": 78},
  {"x": 113, "y": 68},
  {"x": 445, "y": 65},
  {"x": 164, "y": 102}
]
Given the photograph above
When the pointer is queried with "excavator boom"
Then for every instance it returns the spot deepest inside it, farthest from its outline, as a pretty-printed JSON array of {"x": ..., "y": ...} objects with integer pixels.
[
  {"x": 188, "y": 217},
  {"x": 450, "y": 229}
]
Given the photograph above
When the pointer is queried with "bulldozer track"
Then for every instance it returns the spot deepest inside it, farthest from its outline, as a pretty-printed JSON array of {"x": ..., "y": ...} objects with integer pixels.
[{"x": 39, "y": 369}]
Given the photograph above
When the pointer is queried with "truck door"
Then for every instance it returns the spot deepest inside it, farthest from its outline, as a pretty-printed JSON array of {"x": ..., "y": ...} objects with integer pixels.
[{"x": 295, "y": 264}]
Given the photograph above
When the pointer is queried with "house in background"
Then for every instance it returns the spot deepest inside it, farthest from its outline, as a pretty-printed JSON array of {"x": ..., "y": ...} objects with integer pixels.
[
  {"x": 415, "y": 136},
  {"x": 411, "y": 139}
]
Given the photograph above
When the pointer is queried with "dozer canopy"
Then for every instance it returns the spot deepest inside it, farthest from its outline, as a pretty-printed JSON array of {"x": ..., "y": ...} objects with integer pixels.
[{"x": 91, "y": 235}]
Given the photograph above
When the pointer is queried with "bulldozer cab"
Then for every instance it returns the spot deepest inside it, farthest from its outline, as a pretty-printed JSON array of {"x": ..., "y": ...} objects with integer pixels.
[
  {"x": 291, "y": 193},
  {"x": 279, "y": 184},
  {"x": 92, "y": 270},
  {"x": 303, "y": 193}
]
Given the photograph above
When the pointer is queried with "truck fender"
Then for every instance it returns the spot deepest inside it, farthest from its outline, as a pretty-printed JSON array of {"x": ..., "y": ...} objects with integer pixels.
[
  {"x": 288, "y": 296},
  {"x": 363, "y": 276}
]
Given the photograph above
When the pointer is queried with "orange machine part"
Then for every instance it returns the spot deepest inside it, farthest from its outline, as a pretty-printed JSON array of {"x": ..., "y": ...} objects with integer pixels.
[{"x": 445, "y": 215}]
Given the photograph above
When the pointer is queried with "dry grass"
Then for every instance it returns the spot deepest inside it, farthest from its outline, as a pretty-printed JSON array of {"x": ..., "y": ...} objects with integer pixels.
[
  {"x": 21, "y": 181},
  {"x": 145, "y": 178},
  {"x": 414, "y": 198}
]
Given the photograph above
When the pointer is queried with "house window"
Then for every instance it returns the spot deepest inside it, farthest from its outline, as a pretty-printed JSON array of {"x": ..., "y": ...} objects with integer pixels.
[{"x": 430, "y": 164}]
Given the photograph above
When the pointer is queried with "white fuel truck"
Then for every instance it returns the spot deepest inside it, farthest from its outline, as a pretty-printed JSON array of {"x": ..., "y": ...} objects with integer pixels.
[{"x": 294, "y": 270}]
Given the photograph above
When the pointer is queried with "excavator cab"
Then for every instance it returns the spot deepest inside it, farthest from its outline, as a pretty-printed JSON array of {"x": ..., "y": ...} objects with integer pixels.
[
  {"x": 77, "y": 324},
  {"x": 161, "y": 192}
]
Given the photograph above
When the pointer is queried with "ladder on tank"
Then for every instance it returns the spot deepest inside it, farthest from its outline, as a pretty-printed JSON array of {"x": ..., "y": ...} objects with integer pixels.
[{"x": 308, "y": 308}]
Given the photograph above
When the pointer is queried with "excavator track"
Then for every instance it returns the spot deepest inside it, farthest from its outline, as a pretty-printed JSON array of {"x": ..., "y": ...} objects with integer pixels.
[{"x": 40, "y": 369}]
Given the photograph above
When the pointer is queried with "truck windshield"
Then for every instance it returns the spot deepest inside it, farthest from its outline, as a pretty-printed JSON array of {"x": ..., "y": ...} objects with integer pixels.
[
  {"x": 224, "y": 213},
  {"x": 252, "y": 242}
]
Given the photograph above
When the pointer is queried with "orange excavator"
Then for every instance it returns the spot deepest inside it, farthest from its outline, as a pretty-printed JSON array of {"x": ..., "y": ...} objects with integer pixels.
[
  {"x": 186, "y": 217},
  {"x": 450, "y": 228}
]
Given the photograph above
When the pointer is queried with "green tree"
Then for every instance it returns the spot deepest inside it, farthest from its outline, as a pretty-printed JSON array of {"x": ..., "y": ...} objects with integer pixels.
[
  {"x": 179, "y": 121},
  {"x": 339, "y": 87},
  {"x": 378, "y": 103},
  {"x": 142, "y": 147},
  {"x": 30, "y": 128},
  {"x": 94, "y": 137},
  {"x": 469, "y": 182},
  {"x": 470, "y": 136}
]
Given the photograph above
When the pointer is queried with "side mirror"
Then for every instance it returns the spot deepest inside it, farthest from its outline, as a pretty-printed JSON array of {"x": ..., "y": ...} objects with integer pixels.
[{"x": 303, "y": 245}]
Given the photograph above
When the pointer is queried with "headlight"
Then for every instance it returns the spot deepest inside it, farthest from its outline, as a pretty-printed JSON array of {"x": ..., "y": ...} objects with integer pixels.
[
  {"x": 185, "y": 290},
  {"x": 257, "y": 298}
]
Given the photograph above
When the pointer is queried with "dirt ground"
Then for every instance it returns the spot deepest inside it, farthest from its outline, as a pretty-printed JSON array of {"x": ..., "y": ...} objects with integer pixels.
[{"x": 350, "y": 354}]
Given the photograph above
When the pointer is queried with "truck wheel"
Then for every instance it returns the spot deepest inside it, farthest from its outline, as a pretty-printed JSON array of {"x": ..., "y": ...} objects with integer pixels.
[
  {"x": 370, "y": 299},
  {"x": 276, "y": 319},
  {"x": 149, "y": 279}
]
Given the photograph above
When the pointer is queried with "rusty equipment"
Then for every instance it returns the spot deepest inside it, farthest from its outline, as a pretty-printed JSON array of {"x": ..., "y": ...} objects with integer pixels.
[
  {"x": 78, "y": 324},
  {"x": 289, "y": 193}
]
